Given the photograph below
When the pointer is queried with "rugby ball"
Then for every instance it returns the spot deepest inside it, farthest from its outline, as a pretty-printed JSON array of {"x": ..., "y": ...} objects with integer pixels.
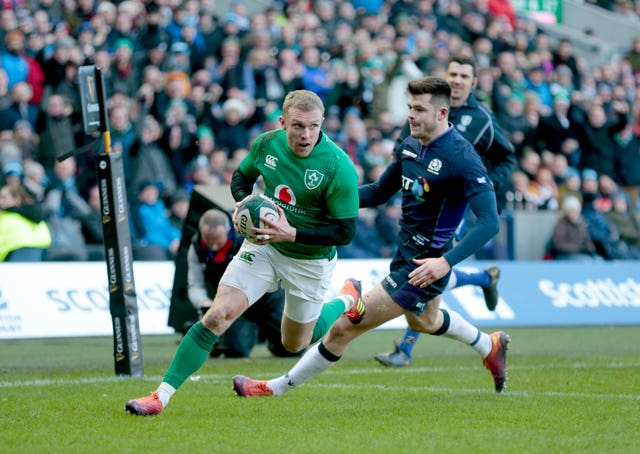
[{"x": 250, "y": 210}]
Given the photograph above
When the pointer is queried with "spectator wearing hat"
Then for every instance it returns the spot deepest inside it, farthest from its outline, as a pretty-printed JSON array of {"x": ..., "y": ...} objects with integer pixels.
[
  {"x": 570, "y": 186},
  {"x": 554, "y": 129},
  {"x": 570, "y": 239},
  {"x": 54, "y": 65},
  {"x": 206, "y": 140},
  {"x": 191, "y": 35},
  {"x": 232, "y": 128},
  {"x": 179, "y": 58},
  {"x": 179, "y": 208},
  {"x": 124, "y": 75},
  {"x": 12, "y": 174}
]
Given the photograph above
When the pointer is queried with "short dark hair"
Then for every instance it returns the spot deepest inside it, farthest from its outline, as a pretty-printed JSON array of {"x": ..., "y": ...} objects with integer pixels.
[
  {"x": 437, "y": 87},
  {"x": 464, "y": 60}
]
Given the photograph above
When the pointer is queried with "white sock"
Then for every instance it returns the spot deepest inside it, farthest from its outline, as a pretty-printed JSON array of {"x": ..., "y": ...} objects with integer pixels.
[
  {"x": 462, "y": 330},
  {"x": 347, "y": 300},
  {"x": 165, "y": 391},
  {"x": 311, "y": 364}
]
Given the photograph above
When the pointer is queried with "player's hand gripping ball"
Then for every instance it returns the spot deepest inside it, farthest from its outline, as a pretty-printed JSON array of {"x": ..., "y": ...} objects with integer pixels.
[{"x": 250, "y": 210}]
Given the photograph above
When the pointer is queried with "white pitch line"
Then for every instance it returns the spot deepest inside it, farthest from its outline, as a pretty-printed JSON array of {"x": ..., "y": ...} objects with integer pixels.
[{"x": 224, "y": 378}]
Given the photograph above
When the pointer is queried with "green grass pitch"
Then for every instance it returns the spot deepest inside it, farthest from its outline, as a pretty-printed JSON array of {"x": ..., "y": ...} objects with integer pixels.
[{"x": 570, "y": 390}]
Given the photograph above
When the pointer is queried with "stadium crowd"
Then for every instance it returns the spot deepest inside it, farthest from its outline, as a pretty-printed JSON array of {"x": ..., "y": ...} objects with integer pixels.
[{"x": 189, "y": 87}]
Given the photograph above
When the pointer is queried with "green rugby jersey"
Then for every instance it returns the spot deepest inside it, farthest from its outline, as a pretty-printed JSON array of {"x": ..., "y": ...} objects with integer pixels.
[{"x": 311, "y": 190}]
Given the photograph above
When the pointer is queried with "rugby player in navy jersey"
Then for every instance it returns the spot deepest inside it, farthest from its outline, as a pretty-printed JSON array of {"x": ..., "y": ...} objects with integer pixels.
[
  {"x": 439, "y": 173},
  {"x": 478, "y": 125}
]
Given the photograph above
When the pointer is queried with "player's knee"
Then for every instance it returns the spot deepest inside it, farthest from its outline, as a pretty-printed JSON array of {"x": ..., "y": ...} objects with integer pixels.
[
  {"x": 293, "y": 346},
  {"x": 218, "y": 320}
]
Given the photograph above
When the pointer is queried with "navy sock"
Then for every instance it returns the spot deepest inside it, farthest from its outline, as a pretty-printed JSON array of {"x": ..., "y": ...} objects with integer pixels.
[
  {"x": 479, "y": 278},
  {"x": 409, "y": 341}
]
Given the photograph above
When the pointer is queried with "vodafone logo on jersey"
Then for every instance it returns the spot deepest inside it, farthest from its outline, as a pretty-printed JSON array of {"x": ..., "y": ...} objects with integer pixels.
[{"x": 285, "y": 194}]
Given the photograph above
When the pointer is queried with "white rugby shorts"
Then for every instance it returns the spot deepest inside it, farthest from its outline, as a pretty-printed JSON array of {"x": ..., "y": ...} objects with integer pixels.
[{"x": 256, "y": 270}]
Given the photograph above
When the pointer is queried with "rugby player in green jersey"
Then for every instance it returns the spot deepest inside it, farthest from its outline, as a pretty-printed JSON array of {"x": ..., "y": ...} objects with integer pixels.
[{"x": 315, "y": 186}]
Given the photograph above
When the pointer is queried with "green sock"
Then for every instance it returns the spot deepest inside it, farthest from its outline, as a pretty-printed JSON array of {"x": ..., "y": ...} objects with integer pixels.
[
  {"x": 191, "y": 354},
  {"x": 330, "y": 313}
]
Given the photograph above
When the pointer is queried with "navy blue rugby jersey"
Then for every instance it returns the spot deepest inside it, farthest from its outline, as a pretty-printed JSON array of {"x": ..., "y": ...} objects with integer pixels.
[{"x": 436, "y": 181}]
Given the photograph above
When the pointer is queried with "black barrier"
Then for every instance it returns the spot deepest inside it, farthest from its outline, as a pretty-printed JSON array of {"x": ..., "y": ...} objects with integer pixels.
[{"x": 123, "y": 304}]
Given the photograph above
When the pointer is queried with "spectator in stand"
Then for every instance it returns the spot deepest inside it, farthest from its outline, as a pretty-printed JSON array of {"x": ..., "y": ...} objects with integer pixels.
[
  {"x": 5, "y": 93},
  {"x": 315, "y": 73},
  {"x": 12, "y": 60},
  {"x": 627, "y": 158},
  {"x": 56, "y": 130},
  {"x": 149, "y": 162},
  {"x": 24, "y": 235},
  {"x": 178, "y": 208},
  {"x": 627, "y": 223},
  {"x": 21, "y": 108},
  {"x": 543, "y": 192},
  {"x": 232, "y": 71},
  {"x": 65, "y": 207},
  {"x": 563, "y": 55},
  {"x": 124, "y": 74},
  {"x": 595, "y": 133},
  {"x": 12, "y": 174},
  {"x": 571, "y": 239},
  {"x": 92, "y": 229},
  {"x": 554, "y": 129},
  {"x": 604, "y": 234},
  {"x": 155, "y": 237},
  {"x": 537, "y": 82},
  {"x": 570, "y": 186},
  {"x": 35, "y": 179},
  {"x": 123, "y": 136},
  {"x": 232, "y": 128},
  {"x": 633, "y": 55}
]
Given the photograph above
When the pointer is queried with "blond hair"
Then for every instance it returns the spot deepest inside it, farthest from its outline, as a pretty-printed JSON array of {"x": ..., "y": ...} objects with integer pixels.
[{"x": 304, "y": 100}]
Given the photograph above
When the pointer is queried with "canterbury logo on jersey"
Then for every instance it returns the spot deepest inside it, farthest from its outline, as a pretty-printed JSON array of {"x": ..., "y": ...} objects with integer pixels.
[
  {"x": 271, "y": 161},
  {"x": 409, "y": 153}
]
